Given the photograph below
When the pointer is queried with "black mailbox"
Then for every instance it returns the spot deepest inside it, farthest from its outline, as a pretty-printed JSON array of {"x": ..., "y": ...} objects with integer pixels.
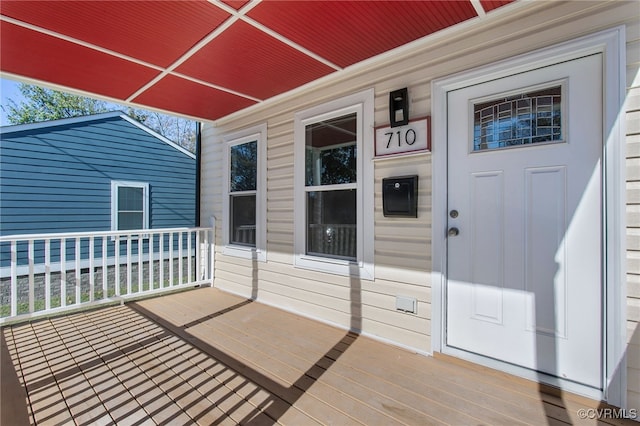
[{"x": 400, "y": 196}]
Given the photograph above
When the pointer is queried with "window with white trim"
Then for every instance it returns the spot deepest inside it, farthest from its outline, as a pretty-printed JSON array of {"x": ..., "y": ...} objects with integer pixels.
[
  {"x": 242, "y": 193},
  {"x": 334, "y": 186},
  {"x": 129, "y": 205},
  {"x": 244, "y": 218}
]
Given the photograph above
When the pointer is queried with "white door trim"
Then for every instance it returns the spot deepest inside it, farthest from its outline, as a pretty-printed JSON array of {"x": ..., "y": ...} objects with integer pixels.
[{"x": 612, "y": 44}]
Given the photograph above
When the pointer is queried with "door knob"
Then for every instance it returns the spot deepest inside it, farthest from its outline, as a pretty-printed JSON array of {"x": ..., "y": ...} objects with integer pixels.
[{"x": 453, "y": 232}]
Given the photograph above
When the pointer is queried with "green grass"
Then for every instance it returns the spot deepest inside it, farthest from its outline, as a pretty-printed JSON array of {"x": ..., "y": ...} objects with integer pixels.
[{"x": 39, "y": 303}]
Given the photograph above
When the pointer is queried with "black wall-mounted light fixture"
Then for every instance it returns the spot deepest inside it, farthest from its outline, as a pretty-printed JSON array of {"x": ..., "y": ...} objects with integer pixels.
[{"x": 399, "y": 107}]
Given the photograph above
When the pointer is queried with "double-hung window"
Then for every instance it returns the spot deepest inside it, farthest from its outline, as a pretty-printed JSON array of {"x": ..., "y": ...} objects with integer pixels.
[
  {"x": 242, "y": 193},
  {"x": 244, "y": 219},
  {"x": 129, "y": 205},
  {"x": 333, "y": 187}
]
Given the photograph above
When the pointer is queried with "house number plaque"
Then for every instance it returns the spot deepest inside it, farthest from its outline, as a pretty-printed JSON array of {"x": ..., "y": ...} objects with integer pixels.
[{"x": 410, "y": 138}]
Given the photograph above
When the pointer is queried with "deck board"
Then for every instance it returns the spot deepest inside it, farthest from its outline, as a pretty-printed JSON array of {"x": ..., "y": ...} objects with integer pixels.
[{"x": 209, "y": 357}]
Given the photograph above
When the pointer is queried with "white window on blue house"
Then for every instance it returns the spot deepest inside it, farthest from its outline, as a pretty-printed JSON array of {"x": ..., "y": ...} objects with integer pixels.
[
  {"x": 129, "y": 205},
  {"x": 244, "y": 202},
  {"x": 333, "y": 194}
]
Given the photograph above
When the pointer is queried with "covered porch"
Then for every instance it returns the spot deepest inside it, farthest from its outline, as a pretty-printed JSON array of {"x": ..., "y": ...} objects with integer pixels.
[{"x": 205, "y": 356}]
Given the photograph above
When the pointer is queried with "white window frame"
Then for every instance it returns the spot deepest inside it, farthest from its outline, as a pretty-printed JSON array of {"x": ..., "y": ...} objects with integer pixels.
[
  {"x": 259, "y": 252},
  {"x": 362, "y": 104},
  {"x": 115, "y": 184}
]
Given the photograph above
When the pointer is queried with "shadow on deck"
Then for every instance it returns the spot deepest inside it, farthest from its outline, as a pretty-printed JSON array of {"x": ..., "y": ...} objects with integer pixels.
[{"x": 208, "y": 357}]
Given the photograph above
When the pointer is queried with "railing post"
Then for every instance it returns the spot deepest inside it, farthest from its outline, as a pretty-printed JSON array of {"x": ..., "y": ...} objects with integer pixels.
[
  {"x": 129, "y": 271},
  {"x": 78, "y": 272},
  {"x": 92, "y": 254},
  {"x": 14, "y": 278},
  {"x": 32, "y": 284},
  {"x": 189, "y": 257},
  {"x": 63, "y": 272},
  {"x": 150, "y": 260},
  {"x": 105, "y": 268},
  {"x": 212, "y": 250},
  {"x": 199, "y": 251},
  {"x": 161, "y": 259},
  {"x": 47, "y": 274},
  {"x": 140, "y": 263},
  {"x": 170, "y": 259},
  {"x": 116, "y": 253},
  {"x": 180, "y": 265}
]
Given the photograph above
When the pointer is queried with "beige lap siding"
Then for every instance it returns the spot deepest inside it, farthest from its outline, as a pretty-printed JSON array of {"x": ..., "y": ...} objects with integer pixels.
[{"x": 403, "y": 246}]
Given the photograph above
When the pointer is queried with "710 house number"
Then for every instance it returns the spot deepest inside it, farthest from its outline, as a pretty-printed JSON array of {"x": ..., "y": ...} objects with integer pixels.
[{"x": 410, "y": 138}]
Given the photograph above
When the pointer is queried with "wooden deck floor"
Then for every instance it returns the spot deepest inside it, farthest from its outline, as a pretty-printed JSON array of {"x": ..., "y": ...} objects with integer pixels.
[{"x": 207, "y": 357}]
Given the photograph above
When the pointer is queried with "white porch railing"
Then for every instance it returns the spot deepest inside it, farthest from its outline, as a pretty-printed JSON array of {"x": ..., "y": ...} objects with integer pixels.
[{"x": 50, "y": 273}]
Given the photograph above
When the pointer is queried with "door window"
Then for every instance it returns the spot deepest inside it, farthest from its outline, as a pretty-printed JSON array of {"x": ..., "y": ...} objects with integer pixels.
[{"x": 522, "y": 119}]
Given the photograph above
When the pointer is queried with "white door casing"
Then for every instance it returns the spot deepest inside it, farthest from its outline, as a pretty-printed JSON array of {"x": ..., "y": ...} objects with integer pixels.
[
  {"x": 611, "y": 44},
  {"x": 524, "y": 273}
]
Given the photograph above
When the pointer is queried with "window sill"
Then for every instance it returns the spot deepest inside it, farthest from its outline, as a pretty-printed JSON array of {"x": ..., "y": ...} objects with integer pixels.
[
  {"x": 335, "y": 266},
  {"x": 245, "y": 252}
]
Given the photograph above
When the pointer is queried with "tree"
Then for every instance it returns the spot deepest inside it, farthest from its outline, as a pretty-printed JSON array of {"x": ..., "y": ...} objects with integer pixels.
[
  {"x": 45, "y": 104},
  {"x": 179, "y": 130}
]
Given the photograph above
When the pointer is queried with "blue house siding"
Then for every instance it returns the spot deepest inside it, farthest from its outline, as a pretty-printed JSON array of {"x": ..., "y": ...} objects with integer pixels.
[{"x": 57, "y": 177}]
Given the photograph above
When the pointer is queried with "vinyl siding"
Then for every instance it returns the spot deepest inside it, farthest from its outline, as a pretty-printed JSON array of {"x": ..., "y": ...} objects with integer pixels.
[
  {"x": 58, "y": 178},
  {"x": 632, "y": 107},
  {"x": 403, "y": 246}
]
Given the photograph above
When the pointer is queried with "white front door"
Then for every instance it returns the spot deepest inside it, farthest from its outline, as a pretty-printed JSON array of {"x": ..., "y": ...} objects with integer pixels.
[{"x": 525, "y": 220}]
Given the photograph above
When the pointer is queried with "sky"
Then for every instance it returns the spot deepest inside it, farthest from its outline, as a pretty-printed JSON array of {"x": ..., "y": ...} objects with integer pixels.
[{"x": 8, "y": 90}]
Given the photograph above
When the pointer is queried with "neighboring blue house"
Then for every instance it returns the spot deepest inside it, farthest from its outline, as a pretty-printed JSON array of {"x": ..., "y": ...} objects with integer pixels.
[{"x": 93, "y": 173}]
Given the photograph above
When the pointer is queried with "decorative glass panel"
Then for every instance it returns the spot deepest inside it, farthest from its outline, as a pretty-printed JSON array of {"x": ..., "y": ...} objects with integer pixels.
[
  {"x": 243, "y": 220},
  {"x": 244, "y": 167},
  {"x": 331, "y": 223},
  {"x": 330, "y": 154},
  {"x": 523, "y": 119}
]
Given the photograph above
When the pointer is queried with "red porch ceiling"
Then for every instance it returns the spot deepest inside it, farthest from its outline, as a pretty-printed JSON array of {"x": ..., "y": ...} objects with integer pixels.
[
  {"x": 247, "y": 60},
  {"x": 358, "y": 30},
  {"x": 208, "y": 59}
]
